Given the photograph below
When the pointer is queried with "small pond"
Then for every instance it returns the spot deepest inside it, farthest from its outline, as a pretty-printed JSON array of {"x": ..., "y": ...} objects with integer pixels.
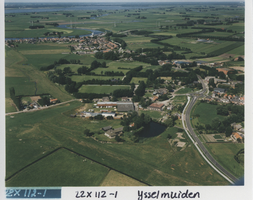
[{"x": 152, "y": 130}]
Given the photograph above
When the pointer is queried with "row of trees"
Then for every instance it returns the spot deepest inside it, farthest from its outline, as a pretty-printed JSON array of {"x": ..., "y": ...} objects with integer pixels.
[
  {"x": 15, "y": 99},
  {"x": 60, "y": 62},
  {"x": 107, "y": 56},
  {"x": 36, "y": 27}
]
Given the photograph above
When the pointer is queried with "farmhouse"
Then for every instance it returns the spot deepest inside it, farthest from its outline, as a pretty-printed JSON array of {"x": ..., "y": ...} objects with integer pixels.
[
  {"x": 107, "y": 104},
  {"x": 53, "y": 100},
  {"x": 236, "y": 136},
  {"x": 161, "y": 91},
  {"x": 113, "y": 133},
  {"x": 219, "y": 90},
  {"x": 105, "y": 99},
  {"x": 155, "y": 98},
  {"x": 156, "y": 106},
  {"x": 224, "y": 70},
  {"x": 236, "y": 126}
]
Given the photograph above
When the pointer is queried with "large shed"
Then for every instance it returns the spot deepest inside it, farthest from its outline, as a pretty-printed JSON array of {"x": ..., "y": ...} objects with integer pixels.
[{"x": 125, "y": 106}]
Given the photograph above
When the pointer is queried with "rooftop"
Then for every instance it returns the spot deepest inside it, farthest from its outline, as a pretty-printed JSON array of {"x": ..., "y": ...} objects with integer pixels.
[{"x": 157, "y": 105}]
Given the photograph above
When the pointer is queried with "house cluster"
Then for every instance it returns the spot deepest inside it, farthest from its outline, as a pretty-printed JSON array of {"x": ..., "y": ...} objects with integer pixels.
[
  {"x": 111, "y": 132},
  {"x": 88, "y": 41},
  {"x": 238, "y": 133},
  {"x": 43, "y": 40},
  {"x": 160, "y": 91},
  {"x": 220, "y": 95},
  {"x": 91, "y": 45},
  {"x": 179, "y": 63},
  {"x": 33, "y": 105}
]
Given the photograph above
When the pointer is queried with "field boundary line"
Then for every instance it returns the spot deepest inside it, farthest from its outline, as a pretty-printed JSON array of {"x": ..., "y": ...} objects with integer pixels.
[{"x": 59, "y": 148}]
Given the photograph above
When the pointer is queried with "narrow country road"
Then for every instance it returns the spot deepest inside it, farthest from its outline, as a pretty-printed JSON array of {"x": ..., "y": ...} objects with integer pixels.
[
  {"x": 199, "y": 145},
  {"x": 41, "y": 108}
]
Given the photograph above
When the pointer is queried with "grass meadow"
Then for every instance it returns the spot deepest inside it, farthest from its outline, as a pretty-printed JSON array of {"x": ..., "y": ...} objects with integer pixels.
[
  {"x": 62, "y": 167},
  {"x": 184, "y": 90},
  {"x": 100, "y": 89},
  {"x": 81, "y": 78},
  {"x": 117, "y": 179},
  {"x": 224, "y": 154},
  {"x": 136, "y": 80},
  {"x": 30, "y": 136},
  {"x": 207, "y": 112},
  {"x": 22, "y": 77}
]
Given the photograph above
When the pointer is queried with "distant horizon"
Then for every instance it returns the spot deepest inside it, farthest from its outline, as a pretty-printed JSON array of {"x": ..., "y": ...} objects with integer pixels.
[{"x": 125, "y": 1}]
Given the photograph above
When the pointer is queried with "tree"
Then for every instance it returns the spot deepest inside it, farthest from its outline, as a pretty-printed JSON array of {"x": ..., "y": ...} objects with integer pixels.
[
  {"x": 228, "y": 131},
  {"x": 211, "y": 83},
  {"x": 222, "y": 128},
  {"x": 118, "y": 139},
  {"x": 67, "y": 70},
  {"x": 87, "y": 132},
  {"x": 240, "y": 59},
  {"x": 215, "y": 124},
  {"x": 169, "y": 122},
  {"x": 44, "y": 101},
  {"x": 208, "y": 126},
  {"x": 103, "y": 64},
  {"x": 140, "y": 91},
  {"x": 99, "y": 55},
  {"x": 109, "y": 117},
  {"x": 222, "y": 110}
]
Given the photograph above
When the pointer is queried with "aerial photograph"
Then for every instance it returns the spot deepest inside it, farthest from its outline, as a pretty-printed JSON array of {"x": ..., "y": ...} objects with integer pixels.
[{"x": 124, "y": 93}]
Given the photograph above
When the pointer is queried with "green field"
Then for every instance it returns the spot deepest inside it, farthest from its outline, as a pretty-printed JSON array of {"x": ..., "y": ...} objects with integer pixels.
[
  {"x": 136, "y": 80},
  {"x": 152, "y": 114},
  {"x": 180, "y": 99},
  {"x": 23, "y": 77},
  {"x": 224, "y": 154},
  {"x": 100, "y": 89},
  {"x": 184, "y": 90},
  {"x": 62, "y": 167},
  {"x": 116, "y": 179},
  {"x": 46, "y": 130},
  {"x": 207, "y": 113},
  {"x": 78, "y": 78},
  {"x": 19, "y": 26}
]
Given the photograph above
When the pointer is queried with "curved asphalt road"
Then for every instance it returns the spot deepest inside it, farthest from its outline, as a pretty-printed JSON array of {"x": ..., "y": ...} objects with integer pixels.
[{"x": 197, "y": 140}]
